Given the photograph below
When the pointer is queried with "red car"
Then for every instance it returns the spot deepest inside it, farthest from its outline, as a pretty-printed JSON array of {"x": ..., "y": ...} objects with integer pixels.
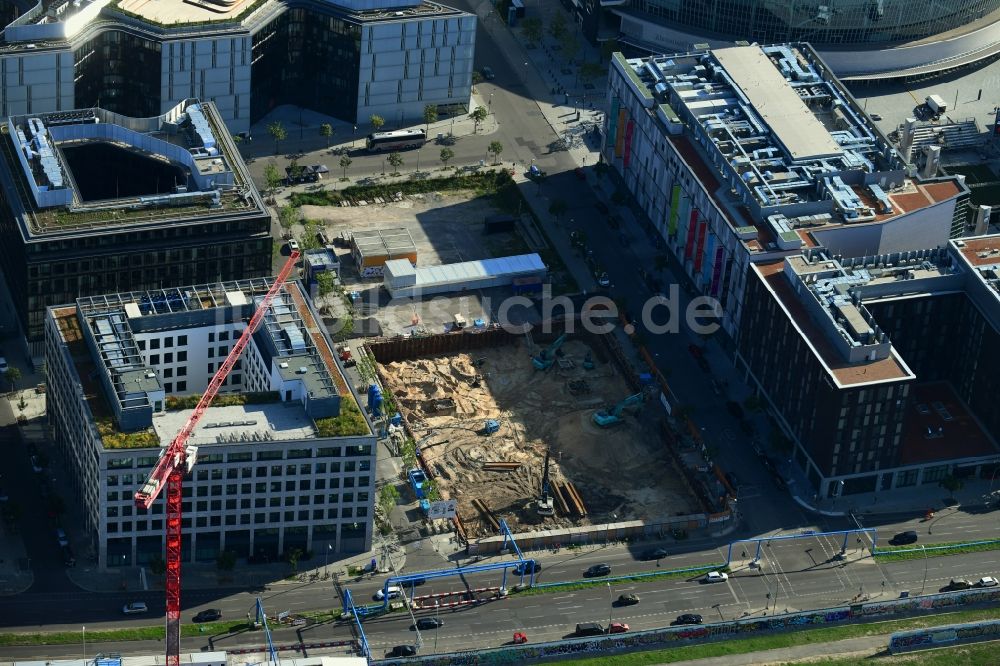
[
  {"x": 617, "y": 628},
  {"x": 520, "y": 638},
  {"x": 580, "y": 174}
]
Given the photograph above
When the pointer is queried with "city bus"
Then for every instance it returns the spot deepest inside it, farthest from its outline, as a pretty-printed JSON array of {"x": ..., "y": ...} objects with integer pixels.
[{"x": 398, "y": 140}]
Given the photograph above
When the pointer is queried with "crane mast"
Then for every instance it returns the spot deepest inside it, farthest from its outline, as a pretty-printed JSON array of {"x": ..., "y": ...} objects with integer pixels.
[{"x": 178, "y": 458}]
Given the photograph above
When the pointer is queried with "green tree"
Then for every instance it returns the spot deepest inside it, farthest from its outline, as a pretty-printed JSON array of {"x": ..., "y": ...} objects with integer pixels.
[
  {"x": 345, "y": 162},
  {"x": 293, "y": 557},
  {"x": 478, "y": 115},
  {"x": 557, "y": 26},
  {"x": 295, "y": 170},
  {"x": 237, "y": 138},
  {"x": 288, "y": 216},
  {"x": 477, "y": 77},
  {"x": 326, "y": 131},
  {"x": 157, "y": 566},
  {"x": 532, "y": 29},
  {"x": 272, "y": 176},
  {"x": 495, "y": 148},
  {"x": 570, "y": 45},
  {"x": 376, "y": 122},
  {"x": 226, "y": 561},
  {"x": 608, "y": 48},
  {"x": 12, "y": 375},
  {"x": 396, "y": 161},
  {"x": 430, "y": 116},
  {"x": 387, "y": 498},
  {"x": 325, "y": 282},
  {"x": 558, "y": 207},
  {"x": 592, "y": 70},
  {"x": 278, "y": 133},
  {"x": 345, "y": 328},
  {"x": 446, "y": 154},
  {"x": 952, "y": 484}
]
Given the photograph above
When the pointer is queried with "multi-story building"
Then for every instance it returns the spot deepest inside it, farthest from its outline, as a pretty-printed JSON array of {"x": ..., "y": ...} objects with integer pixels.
[
  {"x": 93, "y": 202},
  {"x": 858, "y": 362},
  {"x": 345, "y": 58},
  {"x": 858, "y": 38},
  {"x": 286, "y": 455},
  {"x": 746, "y": 154}
]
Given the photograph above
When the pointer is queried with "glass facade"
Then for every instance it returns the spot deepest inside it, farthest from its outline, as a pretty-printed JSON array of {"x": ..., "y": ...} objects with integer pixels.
[
  {"x": 829, "y": 22},
  {"x": 307, "y": 59},
  {"x": 118, "y": 72}
]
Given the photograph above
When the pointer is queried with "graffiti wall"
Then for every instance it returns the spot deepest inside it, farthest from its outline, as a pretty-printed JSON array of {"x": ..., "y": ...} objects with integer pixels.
[
  {"x": 659, "y": 638},
  {"x": 955, "y": 634}
]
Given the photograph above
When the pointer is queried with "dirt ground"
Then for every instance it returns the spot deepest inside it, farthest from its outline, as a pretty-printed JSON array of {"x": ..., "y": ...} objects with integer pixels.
[
  {"x": 620, "y": 472},
  {"x": 446, "y": 228}
]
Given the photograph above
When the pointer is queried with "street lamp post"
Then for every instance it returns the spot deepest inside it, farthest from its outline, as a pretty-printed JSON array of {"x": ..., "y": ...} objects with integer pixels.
[
  {"x": 924, "y": 584},
  {"x": 84, "y": 629},
  {"x": 491, "y": 103},
  {"x": 326, "y": 559},
  {"x": 437, "y": 616},
  {"x": 383, "y": 166},
  {"x": 611, "y": 605}
]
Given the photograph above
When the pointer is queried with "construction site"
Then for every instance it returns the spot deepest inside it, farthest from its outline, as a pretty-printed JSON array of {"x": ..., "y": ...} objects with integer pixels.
[{"x": 544, "y": 436}]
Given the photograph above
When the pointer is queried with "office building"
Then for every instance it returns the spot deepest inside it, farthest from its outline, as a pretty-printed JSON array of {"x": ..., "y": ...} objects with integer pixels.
[
  {"x": 746, "y": 154},
  {"x": 860, "y": 39},
  {"x": 286, "y": 456},
  {"x": 879, "y": 369},
  {"x": 94, "y": 202},
  {"x": 348, "y": 59}
]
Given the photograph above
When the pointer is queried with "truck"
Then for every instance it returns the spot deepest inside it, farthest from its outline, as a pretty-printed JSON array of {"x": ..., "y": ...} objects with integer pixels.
[{"x": 936, "y": 104}]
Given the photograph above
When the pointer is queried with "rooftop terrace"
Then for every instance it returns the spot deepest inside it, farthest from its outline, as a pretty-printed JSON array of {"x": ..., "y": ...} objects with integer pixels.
[
  {"x": 185, "y": 160},
  {"x": 262, "y": 423}
]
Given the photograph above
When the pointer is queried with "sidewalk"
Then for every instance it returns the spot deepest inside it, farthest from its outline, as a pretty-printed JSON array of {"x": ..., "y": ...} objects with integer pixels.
[{"x": 863, "y": 648}]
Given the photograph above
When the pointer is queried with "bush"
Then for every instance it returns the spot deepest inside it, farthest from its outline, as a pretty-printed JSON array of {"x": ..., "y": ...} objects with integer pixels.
[
  {"x": 115, "y": 439},
  {"x": 175, "y": 402},
  {"x": 349, "y": 422},
  {"x": 487, "y": 182}
]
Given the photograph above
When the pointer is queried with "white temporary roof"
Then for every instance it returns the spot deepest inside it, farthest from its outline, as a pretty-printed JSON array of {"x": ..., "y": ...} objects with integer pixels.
[
  {"x": 791, "y": 121},
  {"x": 400, "y": 273}
]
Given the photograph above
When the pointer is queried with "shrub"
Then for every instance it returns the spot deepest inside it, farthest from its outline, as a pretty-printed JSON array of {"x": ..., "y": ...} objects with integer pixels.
[{"x": 349, "y": 422}]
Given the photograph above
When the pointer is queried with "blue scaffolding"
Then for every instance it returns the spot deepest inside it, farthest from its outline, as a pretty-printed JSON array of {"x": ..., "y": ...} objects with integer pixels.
[
  {"x": 262, "y": 620},
  {"x": 870, "y": 531}
]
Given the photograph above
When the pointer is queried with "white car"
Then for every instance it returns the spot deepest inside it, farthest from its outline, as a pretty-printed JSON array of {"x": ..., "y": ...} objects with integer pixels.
[
  {"x": 3, "y": 365},
  {"x": 293, "y": 245},
  {"x": 987, "y": 581},
  {"x": 716, "y": 577},
  {"x": 134, "y": 608},
  {"x": 394, "y": 591}
]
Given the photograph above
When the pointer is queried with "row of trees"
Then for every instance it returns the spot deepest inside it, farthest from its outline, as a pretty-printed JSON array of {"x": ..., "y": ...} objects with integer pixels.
[{"x": 533, "y": 30}]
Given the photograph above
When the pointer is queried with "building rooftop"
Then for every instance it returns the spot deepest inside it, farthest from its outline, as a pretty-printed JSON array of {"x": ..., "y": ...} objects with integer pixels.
[
  {"x": 840, "y": 332},
  {"x": 65, "y": 172},
  {"x": 779, "y": 144},
  {"x": 171, "y": 12},
  {"x": 123, "y": 389},
  {"x": 391, "y": 242},
  {"x": 268, "y": 422},
  {"x": 938, "y": 426}
]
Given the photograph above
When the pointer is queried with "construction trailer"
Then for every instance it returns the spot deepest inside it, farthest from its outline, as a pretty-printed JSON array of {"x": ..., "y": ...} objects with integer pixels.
[
  {"x": 402, "y": 279},
  {"x": 372, "y": 249}
]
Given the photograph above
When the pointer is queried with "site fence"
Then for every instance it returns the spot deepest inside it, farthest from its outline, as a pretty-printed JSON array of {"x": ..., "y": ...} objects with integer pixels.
[
  {"x": 690, "y": 635},
  {"x": 935, "y": 637}
]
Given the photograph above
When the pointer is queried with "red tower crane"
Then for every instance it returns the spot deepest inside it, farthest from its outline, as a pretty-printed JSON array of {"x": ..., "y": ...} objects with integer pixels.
[{"x": 178, "y": 458}]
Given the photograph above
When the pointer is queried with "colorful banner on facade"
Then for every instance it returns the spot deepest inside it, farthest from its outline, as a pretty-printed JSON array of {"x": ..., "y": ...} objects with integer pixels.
[
  {"x": 675, "y": 203},
  {"x": 628, "y": 142},
  {"x": 691, "y": 233},
  {"x": 620, "y": 133},
  {"x": 717, "y": 270}
]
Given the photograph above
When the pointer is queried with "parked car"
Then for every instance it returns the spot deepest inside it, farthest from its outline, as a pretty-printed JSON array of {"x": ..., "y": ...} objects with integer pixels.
[
  {"x": 956, "y": 584},
  {"x": 688, "y": 618},
  {"x": 617, "y": 628},
  {"x": 69, "y": 559},
  {"x": 488, "y": 73},
  {"x": 604, "y": 281},
  {"x": 876, "y": 117},
  {"x": 757, "y": 448},
  {"x": 904, "y": 538},
  {"x": 429, "y": 623},
  {"x": 628, "y": 599},
  {"x": 598, "y": 570},
  {"x": 36, "y": 465},
  {"x": 61, "y": 537},
  {"x": 293, "y": 245},
  {"x": 208, "y": 615},
  {"x": 525, "y": 568},
  {"x": 402, "y": 651},
  {"x": 134, "y": 608},
  {"x": 987, "y": 581},
  {"x": 655, "y": 554},
  {"x": 394, "y": 591},
  {"x": 716, "y": 577},
  {"x": 3, "y": 364}
]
